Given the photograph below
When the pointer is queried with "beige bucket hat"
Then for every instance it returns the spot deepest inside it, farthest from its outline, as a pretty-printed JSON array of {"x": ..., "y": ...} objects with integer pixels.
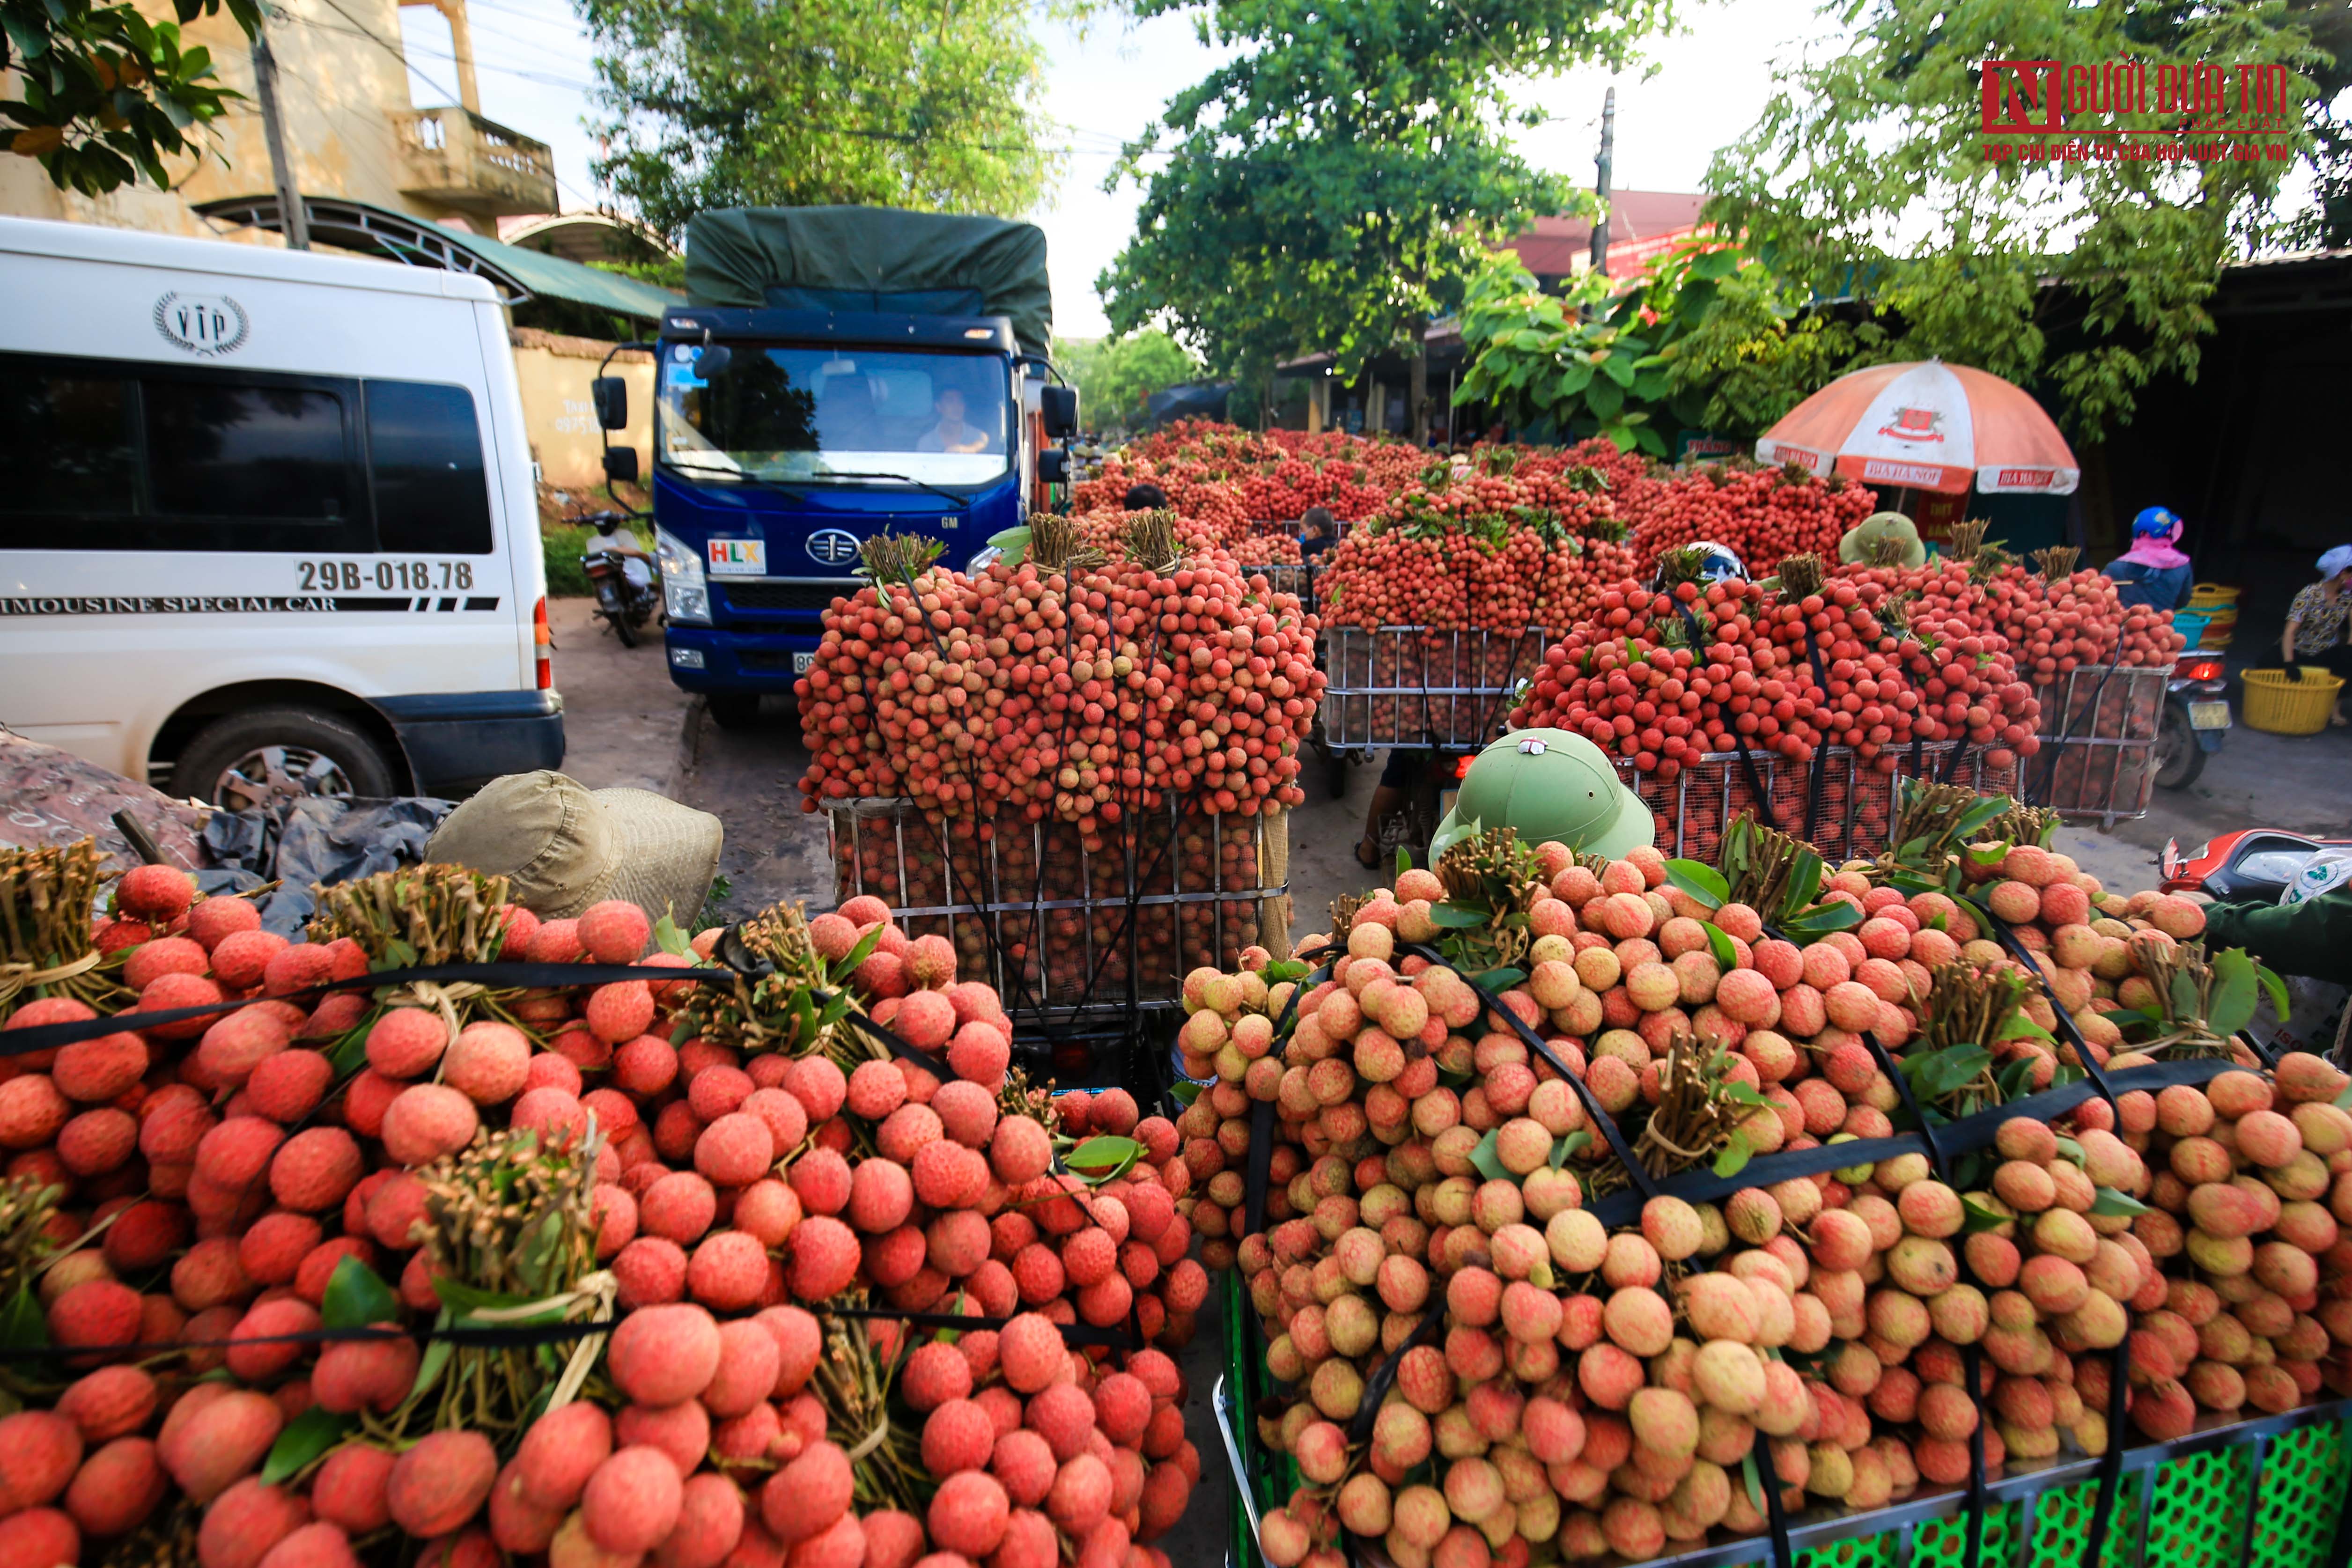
[{"x": 564, "y": 846}]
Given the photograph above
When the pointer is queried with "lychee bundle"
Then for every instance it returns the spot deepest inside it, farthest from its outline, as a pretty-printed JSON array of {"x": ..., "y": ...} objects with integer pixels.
[
  {"x": 1762, "y": 514},
  {"x": 323, "y": 1278},
  {"x": 1579, "y": 1364},
  {"x": 1065, "y": 691}
]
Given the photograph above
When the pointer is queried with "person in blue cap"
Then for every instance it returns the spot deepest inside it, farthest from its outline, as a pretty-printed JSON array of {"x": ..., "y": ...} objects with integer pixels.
[{"x": 2153, "y": 574}]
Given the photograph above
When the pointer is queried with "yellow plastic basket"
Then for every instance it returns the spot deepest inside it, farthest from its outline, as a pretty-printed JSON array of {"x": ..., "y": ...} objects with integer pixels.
[
  {"x": 2285, "y": 706},
  {"x": 2212, "y": 596}
]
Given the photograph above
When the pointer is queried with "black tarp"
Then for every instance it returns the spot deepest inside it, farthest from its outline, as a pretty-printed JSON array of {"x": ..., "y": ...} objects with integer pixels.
[
  {"x": 299, "y": 843},
  {"x": 873, "y": 258}
]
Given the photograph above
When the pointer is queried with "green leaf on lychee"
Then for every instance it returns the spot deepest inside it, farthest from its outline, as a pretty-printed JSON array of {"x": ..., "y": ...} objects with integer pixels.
[
  {"x": 1701, "y": 882},
  {"x": 1456, "y": 916},
  {"x": 1186, "y": 1093},
  {"x": 2110, "y": 1202},
  {"x": 670, "y": 939},
  {"x": 1976, "y": 1217},
  {"x": 1489, "y": 1164},
  {"x": 2070, "y": 1149},
  {"x": 22, "y": 1324},
  {"x": 1404, "y": 860},
  {"x": 847, "y": 964},
  {"x": 1734, "y": 1158},
  {"x": 2233, "y": 1007},
  {"x": 2276, "y": 987},
  {"x": 1570, "y": 1143},
  {"x": 436, "y": 1360},
  {"x": 306, "y": 1439},
  {"x": 1498, "y": 979},
  {"x": 1727, "y": 956},
  {"x": 1102, "y": 1158},
  {"x": 356, "y": 1297},
  {"x": 1755, "y": 1485},
  {"x": 349, "y": 1053}
]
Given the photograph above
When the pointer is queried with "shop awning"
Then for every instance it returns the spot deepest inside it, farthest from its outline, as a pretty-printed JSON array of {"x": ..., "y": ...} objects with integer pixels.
[{"x": 519, "y": 275}]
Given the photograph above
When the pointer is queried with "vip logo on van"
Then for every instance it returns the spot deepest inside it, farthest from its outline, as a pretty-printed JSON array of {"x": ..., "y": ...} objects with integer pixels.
[
  {"x": 832, "y": 547},
  {"x": 207, "y": 325}
]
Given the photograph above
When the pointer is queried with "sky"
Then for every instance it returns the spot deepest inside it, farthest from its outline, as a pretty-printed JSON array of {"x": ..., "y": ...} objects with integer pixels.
[{"x": 1105, "y": 85}]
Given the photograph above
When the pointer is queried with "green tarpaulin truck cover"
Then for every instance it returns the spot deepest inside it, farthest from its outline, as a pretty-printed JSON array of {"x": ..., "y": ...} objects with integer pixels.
[{"x": 872, "y": 258}]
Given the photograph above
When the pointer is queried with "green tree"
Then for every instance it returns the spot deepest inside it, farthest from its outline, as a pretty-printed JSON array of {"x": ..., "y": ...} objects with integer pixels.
[
  {"x": 1706, "y": 337},
  {"x": 1867, "y": 175},
  {"x": 718, "y": 103},
  {"x": 1117, "y": 376},
  {"x": 1335, "y": 185},
  {"x": 100, "y": 95}
]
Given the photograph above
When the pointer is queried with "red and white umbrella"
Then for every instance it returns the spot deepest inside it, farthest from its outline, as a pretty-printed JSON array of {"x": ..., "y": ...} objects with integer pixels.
[{"x": 1926, "y": 426}]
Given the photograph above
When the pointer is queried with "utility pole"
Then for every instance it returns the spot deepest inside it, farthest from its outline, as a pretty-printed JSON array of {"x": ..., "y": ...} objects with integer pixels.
[
  {"x": 1601, "y": 183},
  {"x": 294, "y": 219}
]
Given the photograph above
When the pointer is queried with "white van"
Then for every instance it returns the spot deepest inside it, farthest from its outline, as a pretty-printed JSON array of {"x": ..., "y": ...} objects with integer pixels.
[{"x": 266, "y": 519}]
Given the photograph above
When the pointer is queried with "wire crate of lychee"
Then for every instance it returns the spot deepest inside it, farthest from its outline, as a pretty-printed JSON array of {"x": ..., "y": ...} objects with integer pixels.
[
  {"x": 2098, "y": 730},
  {"x": 1850, "y": 812},
  {"x": 1056, "y": 918},
  {"x": 1416, "y": 685},
  {"x": 1285, "y": 577}
]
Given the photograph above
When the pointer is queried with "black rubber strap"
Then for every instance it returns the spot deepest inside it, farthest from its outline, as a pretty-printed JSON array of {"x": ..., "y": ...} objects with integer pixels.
[
  {"x": 1776, "y": 1518},
  {"x": 1262, "y": 1113},
  {"x": 1818, "y": 771},
  {"x": 1431, "y": 1328},
  {"x": 1593, "y": 1109},
  {"x": 1971, "y": 1367},
  {"x": 2111, "y": 1462},
  {"x": 1952, "y": 762},
  {"x": 1919, "y": 1114},
  {"x": 2091, "y": 1069},
  {"x": 1078, "y": 1337},
  {"x": 504, "y": 975}
]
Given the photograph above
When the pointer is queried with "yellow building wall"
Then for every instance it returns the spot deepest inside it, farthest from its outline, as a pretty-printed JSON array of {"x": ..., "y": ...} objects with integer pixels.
[
  {"x": 555, "y": 372},
  {"x": 341, "y": 81}
]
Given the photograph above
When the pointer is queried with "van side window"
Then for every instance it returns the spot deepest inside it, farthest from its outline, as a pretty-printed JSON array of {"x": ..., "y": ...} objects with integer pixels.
[
  {"x": 424, "y": 463},
  {"x": 218, "y": 448},
  {"x": 65, "y": 443}
]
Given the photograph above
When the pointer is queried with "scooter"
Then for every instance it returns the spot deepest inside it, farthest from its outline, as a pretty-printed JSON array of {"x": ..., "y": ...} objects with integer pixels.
[
  {"x": 626, "y": 605},
  {"x": 2246, "y": 865},
  {"x": 2196, "y": 716}
]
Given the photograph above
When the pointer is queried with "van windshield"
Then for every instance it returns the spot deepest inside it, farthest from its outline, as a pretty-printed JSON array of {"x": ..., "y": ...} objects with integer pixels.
[{"x": 806, "y": 414}]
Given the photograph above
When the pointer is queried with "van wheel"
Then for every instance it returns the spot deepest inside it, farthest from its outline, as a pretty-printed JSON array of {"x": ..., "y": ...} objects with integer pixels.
[
  {"x": 247, "y": 761},
  {"x": 734, "y": 710}
]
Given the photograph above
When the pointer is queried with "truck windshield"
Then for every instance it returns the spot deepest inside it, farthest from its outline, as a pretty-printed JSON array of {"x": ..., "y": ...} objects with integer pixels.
[{"x": 803, "y": 414}]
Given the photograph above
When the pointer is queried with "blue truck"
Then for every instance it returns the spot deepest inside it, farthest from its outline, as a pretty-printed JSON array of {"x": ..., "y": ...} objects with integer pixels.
[{"x": 837, "y": 373}]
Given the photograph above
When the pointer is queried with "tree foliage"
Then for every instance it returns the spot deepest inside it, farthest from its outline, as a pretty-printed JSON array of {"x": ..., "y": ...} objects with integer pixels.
[
  {"x": 1335, "y": 185},
  {"x": 931, "y": 105},
  {"x": 1117, "y": 376},
  {"x": 100, "y": 95},
  {"x": 1704, "y": 338},
  {"x": 1866, "y": 176}
]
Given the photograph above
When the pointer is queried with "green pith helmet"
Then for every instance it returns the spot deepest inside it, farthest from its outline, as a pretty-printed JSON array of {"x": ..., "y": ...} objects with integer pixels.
[
  {"x": 1855, "y": 546},
  {"x": 1549, "y": 785}
]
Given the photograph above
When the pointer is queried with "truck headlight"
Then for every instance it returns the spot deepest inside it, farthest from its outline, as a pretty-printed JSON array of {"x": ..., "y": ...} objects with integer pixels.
[{"x": 685, "y": 594}]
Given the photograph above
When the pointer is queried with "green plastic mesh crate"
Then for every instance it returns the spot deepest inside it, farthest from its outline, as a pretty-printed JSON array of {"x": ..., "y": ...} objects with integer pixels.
[{"x": 2195, "y": 1506}]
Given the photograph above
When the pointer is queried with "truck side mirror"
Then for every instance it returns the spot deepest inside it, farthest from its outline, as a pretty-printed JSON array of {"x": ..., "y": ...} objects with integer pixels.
[
  {"x": 1059, "y": 406},
  {"x": 1053, "y": 466},
  {"x": 621, "y": 464},
  {"x": 611, "y": 396}
]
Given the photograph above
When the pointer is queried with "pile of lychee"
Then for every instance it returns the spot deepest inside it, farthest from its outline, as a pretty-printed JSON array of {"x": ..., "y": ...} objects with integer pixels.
[
  {"x": 1587, "y": 1392},
  {"x": 209, "y": 1179}
]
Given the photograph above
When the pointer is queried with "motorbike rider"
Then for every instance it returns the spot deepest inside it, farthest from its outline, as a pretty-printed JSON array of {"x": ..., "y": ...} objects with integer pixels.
[
  {"x": 613, "y": 534},
  {"x": 2307, "y": 932},
  {"x": 2152, "y": 574}
]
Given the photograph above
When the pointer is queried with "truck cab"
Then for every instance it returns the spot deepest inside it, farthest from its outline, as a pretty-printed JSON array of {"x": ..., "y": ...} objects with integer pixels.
[
  {"x": 784, "y": 439},
  {"x": 840, "y": 373}
]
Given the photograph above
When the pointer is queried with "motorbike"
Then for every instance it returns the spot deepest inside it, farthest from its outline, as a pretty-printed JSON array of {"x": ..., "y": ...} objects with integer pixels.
[
  {"x": 626, "y": 605},
  {"x": 2255, "y": 865},
  {"x": 2196, "y": 716},
  {"x": 2245, "y": 865}
]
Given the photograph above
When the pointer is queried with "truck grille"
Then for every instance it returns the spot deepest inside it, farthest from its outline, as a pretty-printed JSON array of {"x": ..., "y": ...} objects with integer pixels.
[{"x": 771, "y": 596}]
